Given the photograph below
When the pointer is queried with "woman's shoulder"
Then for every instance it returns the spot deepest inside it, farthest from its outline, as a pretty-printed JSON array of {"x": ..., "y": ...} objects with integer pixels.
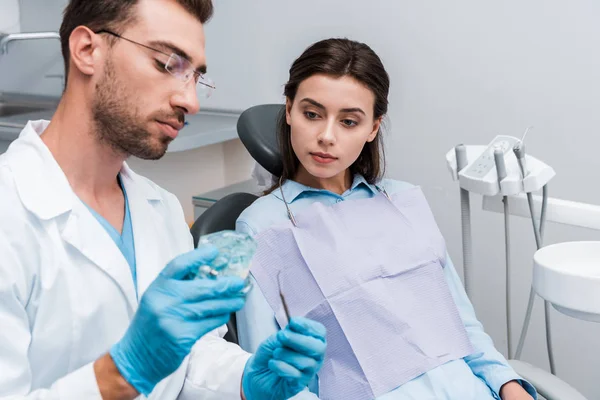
[{"x": 264, "y": 212}]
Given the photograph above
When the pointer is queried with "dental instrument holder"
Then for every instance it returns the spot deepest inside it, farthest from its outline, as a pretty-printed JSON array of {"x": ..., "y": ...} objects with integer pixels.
[
  {"x": 495, "y": 170},
  {"x": 480, "y": 176}
]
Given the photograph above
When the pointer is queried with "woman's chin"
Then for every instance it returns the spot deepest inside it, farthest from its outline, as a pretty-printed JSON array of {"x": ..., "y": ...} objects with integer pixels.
[{"x": 322, "y": 172}]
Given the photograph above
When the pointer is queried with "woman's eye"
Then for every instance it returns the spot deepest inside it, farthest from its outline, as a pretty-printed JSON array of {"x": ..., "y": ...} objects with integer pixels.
[
  {"x": 349, "y": 123},
  {"x": 310, "y": 115}
]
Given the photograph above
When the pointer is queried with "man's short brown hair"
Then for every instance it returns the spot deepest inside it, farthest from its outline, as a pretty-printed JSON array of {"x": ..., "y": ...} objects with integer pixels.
[{"x": 114, "y": 15}]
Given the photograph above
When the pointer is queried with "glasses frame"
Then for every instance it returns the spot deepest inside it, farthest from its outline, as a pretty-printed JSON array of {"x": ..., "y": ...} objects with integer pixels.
[{"x": 200, "y": 78}]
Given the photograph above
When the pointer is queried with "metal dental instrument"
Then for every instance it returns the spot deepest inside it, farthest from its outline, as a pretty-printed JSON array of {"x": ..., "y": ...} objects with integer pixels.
[
  {"x": 286, "y": 310},
  {"x": 289, "y": 212}
]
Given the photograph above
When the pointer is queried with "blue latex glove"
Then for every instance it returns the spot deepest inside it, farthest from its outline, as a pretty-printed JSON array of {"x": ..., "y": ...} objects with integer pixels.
[
  {"x": 172, "y": 315},
  {"x": 286, "y": 362}
]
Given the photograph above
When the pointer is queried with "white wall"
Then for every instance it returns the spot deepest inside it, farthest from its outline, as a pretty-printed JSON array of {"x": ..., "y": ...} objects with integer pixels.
[
  {"x": 461, "y": 71},
  {"x": 237, "y": 161}
]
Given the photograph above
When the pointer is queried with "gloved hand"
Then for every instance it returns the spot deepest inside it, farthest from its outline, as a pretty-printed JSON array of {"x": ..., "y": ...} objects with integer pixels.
[
  {"x": 286, "y": 362},
  {"x": 172, "y": 315}
]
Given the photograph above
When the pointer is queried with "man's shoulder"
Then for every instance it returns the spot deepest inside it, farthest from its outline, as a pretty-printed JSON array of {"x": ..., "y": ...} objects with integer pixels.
[
  {"x": 8, "y": 189},
  {"x": 15, "y": 221}
]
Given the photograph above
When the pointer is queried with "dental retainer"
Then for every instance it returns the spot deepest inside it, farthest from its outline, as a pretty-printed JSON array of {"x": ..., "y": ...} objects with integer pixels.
[{"x": 235, "y": 255}]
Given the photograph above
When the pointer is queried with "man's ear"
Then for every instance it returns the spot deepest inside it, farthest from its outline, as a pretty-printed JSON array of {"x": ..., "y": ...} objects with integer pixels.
[{"x": 87, "y": 50}]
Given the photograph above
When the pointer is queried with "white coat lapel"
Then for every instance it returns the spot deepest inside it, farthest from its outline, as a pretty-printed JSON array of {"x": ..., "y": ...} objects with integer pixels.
[
  {"x": 150, "y": 230},
  {"x": 46, "y": 192},
  {"x": 88, "y": 236}
]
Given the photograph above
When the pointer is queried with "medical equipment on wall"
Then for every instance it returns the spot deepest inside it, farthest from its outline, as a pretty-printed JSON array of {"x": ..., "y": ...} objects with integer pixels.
[{"x": 502, "y": 168}]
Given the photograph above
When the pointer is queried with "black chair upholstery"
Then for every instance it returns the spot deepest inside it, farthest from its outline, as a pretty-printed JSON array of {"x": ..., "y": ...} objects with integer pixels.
[
  {"x": 218, "y": 217},
  {"x": 257, "y": 129}
]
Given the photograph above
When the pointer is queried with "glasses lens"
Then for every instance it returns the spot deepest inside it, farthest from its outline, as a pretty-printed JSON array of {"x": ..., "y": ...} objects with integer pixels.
[
  {"x": 206, "y": 86},
  {"x": 183, "y": 70},
  {"x": 179, "y": 67}
]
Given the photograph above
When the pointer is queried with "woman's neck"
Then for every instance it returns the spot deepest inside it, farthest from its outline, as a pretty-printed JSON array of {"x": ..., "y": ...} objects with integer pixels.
[{"x": 336, "y": 184}]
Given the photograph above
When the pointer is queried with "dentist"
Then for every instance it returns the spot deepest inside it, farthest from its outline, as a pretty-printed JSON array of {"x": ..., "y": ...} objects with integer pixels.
[{"x": 94, "y": 300}]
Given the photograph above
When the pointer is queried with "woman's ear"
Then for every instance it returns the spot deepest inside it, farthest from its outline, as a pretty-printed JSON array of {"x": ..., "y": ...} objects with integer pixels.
[
  {"x": 375, "y": 131},
  {"x": 288, "y": 111}
]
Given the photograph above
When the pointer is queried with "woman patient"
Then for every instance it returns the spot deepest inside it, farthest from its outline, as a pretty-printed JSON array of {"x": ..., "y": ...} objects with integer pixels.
[{"x": 361, "y": 254}]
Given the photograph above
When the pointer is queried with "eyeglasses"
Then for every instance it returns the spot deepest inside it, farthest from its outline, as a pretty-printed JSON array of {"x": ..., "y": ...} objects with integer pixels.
[{"x": 178, "y": 66}]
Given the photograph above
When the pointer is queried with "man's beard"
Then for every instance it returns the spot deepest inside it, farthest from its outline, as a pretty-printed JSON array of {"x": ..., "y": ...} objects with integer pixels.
[{"x": 118, "y": 122}]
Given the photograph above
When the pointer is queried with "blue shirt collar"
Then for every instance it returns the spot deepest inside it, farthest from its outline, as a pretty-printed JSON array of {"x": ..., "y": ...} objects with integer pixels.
[{"x": 292, "y": 189}]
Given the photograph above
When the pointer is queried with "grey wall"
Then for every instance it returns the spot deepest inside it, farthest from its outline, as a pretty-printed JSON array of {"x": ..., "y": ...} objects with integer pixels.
[{"x": 461, "y": 71}]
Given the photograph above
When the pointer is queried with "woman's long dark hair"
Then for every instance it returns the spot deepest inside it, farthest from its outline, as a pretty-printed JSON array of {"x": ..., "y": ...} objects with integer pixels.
[{"x": 338, "y": 58}]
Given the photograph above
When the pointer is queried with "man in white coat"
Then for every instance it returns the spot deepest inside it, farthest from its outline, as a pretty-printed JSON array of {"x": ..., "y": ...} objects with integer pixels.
[{"x": 95, "y": 296}]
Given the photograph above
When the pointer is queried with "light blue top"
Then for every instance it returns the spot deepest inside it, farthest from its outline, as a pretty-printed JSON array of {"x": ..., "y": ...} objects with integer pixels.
[
  {"x": 123, "y": 240},
  {"x": 479, "y": 376}
]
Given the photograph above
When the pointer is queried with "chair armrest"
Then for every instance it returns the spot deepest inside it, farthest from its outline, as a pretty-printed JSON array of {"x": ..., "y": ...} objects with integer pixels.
[{"x": 546, "y": 384}]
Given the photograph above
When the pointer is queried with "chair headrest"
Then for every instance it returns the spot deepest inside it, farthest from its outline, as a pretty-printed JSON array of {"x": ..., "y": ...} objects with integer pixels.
[{"x": 257, "y": 129}]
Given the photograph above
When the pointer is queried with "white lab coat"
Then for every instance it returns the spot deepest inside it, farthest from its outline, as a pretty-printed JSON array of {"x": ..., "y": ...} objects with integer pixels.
[{"x": 67, "y": 293}]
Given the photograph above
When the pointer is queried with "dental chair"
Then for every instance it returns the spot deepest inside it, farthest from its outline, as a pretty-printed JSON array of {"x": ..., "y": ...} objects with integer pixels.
[{"x": 256, "y": 129}]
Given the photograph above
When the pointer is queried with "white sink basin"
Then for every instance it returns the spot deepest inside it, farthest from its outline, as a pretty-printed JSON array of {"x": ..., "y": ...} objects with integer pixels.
[{"x": 568, "y": 275}]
